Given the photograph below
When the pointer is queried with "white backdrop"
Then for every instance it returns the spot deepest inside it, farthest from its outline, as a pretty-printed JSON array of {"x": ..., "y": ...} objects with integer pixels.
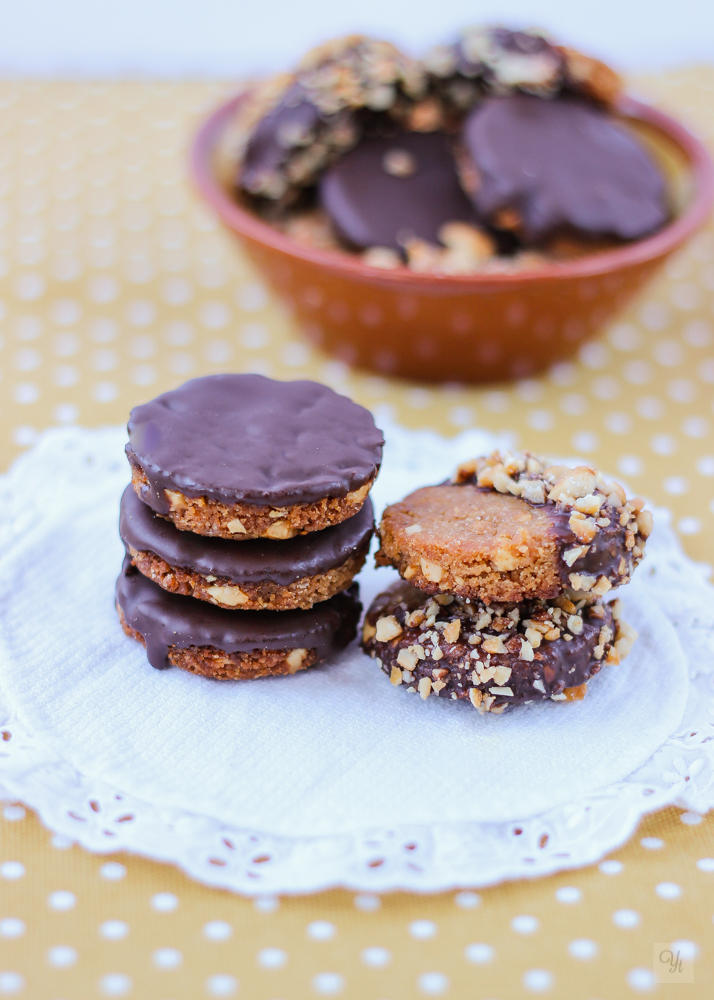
[{"x": 235, "y": 37}]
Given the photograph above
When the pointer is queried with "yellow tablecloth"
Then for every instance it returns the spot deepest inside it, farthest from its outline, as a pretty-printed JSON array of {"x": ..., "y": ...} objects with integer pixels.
[{"x": 115, "y": 284}]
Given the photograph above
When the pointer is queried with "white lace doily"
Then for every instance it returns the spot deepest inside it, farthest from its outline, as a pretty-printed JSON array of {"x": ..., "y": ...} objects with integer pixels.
[{"x": 427, "y": 857}]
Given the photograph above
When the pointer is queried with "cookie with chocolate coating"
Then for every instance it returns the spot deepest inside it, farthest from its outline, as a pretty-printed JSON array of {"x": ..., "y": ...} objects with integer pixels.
[
  {"x": 231, "y": 645},
  {"x": 259, "y": 574},
  {"x": 243, "y": 456},
  {"x": 495, "y": 655},
  {"x": 508, "y": 528}
]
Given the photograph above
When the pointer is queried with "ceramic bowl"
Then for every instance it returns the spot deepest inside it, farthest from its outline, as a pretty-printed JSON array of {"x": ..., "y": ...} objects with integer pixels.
[{"x": 465, "y": 328}]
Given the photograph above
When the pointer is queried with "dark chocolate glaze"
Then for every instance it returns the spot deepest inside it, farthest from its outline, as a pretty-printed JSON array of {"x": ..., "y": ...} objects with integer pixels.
[
  {"x": 282, "y": 562},
  {"x": 166, "y": 620},
  {"x": 563, "y": 164},
  {"x": 370, "y": 207},
  {"x": 269, "y": 147},
  {"x": 557, "y": 665},
  {"x": 250, "y": 439},
  {"x": 604, "y": 552}
]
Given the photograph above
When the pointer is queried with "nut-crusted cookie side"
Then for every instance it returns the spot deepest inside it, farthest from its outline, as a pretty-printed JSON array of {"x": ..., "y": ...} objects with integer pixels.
[
  {"x": 512, "y": 527},
  {"x": 494, "y": 655},
  {"x": 263, "y": 596},
  {"x": 207, "y": 661},
  {"x": 243, "y": 521}
]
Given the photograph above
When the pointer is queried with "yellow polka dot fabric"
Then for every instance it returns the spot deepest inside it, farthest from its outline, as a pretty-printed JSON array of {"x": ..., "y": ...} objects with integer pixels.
[{"x": 116, "y": 284}]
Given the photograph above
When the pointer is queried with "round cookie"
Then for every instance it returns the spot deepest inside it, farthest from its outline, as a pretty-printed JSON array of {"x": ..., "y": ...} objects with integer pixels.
[
  {"x": 231, "y": 645},
  {"x": 509, "y": 528},
  {"x": 495, "y": 655},
  {"x": 563, "y": 165},
  {"x": 243, "y": 456},
  {"x": 257, "y": 575},
  {"x": 390, "y": 190}
]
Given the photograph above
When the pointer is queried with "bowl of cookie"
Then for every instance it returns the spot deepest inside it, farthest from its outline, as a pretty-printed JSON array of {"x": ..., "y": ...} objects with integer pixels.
[{"x": 472, "y": 216}]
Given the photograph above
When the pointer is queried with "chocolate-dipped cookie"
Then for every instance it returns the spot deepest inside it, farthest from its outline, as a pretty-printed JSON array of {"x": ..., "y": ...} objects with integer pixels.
[
  {"x": 564, "y": 165},
  {"x": 507, "y": 528},
  {"x": 230, "y": 645},
  {"x": 243, "y": 456},
  {"x": 495, "y": 655},
  {"x": 257, "y": 575},
  {"x": 389, "y": 191}
]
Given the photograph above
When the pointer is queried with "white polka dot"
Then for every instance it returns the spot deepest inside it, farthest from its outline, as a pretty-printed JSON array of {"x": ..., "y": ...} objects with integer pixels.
[
  {"x": 105, "y": 392},
  {"x": 685, "y": 295},
  {"x": 583, "y": 948},
  {"x": 650, "y": 407},
  {"x": 433, "y": 983},
  {"x": 525, "y": 924},
  {"x": 255, "y": 336},
  {"x": 214, "y": 315},
  {"x": 668, "y": 353},
  {"x": 103, "y": 289},
  {"x": 663, "y": 444},
  {"x": 271, "y": 958},
  {"x": 113, "y": 871},
  {"x": 690, "y": 818},
  {"x": 29, "y": 287},
  {"x": 24, "y": 436},
  {"x": 143, "y": 375},
  {"x": 12, "y": 869},
  {"x": 221, "y": 985},
  {"x": 252, "y": 297},
  {"x": 625, "y": 337},
  {"x": 11, "y": 982},
  {"x": 675, "y": 485},
  {"x": 461, "y": 416},
  {"x": 681, "y": 390},
  {"x": 594, "y": 355},
  {"x": 62, "y": 956},
  {"x": 467, "y": 900},
  {"x": 637, "y": 372},
  {"x": 479, "y": 953},
  {"x": 167, "y": 958},
  {"x": 104, "y": 330},
  {"x": 630, "y": 465},
  {"x": 177, "y": 291},
  {"x": 618, "y": 423},
  {"x": 606, "y": 388},
  {"x": 115, "y": 984},
  {"x": 295, "y": 355},
  {"x": 668, "y": 890},
  {"x": 164, "y": 902},
  {"x": 705, "y": 864},
  {"x": 688, "y": 950},
  {"x": 573, "y": 403},
  {"x": 328, "y": 983},
  {"x": 564, "y": 373},
  {"x": 641, "y": 979},
  {"x": 695, "y": 427},
  {"x": 568, "y": 894},
  {"x": 141, "y": 312},
  {"x": 27, "y": 360},
  {"x": 626, "y": 919},
  {"x": 61, "y": 843},
  {"x": 114, "y": 930},
  {"x": 266, "y": 904},
  {"x": 104, "y": 360},
  {"x": 496, "y": 402},
  {"x": 367, "y": 902},
  {"x": 217, "y": 930},
  {"x": 540, "y": 420},
  {"x": 705, "y": 371},
  {"x": 14, "y": 813},
  {"x": 61, "y": 900},
  {"x": 611, "y": 867},
  {"x": 654, "y": 315},
  {"x": 585, "y": 441},
  {"x": 705, "y": 465},
  {"x": 178, "y": 334},
  {"x": 376, "y": 958},
  {"x": 689, "y": 526},
  {"x": 26, "y": 393},
  {"x": 321, "y": 930},
  {"x": 652, "y": 843},
  {"x": 422, "y": 929},
  {"x": 66, "y": 312},
  {"x": 218, "y": 352},
  {"x": 538, "y": 980},
  {"x": 12, "y": 927}
]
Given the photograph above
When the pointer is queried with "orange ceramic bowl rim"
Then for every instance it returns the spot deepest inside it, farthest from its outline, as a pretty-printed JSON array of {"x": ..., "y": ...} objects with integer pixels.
[{"x": 248, "y": 225}]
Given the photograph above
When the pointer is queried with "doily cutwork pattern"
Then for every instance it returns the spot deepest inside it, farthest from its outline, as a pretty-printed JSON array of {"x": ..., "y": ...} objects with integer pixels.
[{"x": 104, "y": 819}]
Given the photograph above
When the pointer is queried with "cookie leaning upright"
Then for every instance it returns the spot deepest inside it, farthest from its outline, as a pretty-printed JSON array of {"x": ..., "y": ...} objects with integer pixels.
[
  {"x": 508, "y": 528},
  {"x": 243, "y": 456}
]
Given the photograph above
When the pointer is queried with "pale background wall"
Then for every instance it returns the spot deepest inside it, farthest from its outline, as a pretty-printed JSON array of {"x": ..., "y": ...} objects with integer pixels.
[{"x": 234, "y": 37}]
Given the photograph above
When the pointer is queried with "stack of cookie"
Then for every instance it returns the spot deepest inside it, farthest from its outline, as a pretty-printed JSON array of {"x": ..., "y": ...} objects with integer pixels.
[
  {"x": 507, "y": 571},
  {"x": 246, "y": 521}
]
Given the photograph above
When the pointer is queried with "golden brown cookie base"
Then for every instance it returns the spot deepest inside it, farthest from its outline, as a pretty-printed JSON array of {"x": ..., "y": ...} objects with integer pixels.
[
  {"x": 266, "y": 595},
  {"x": 472, "y": 543},
  {"x": 207, "y": 661},
  {"x": 242, "y": 521}
]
